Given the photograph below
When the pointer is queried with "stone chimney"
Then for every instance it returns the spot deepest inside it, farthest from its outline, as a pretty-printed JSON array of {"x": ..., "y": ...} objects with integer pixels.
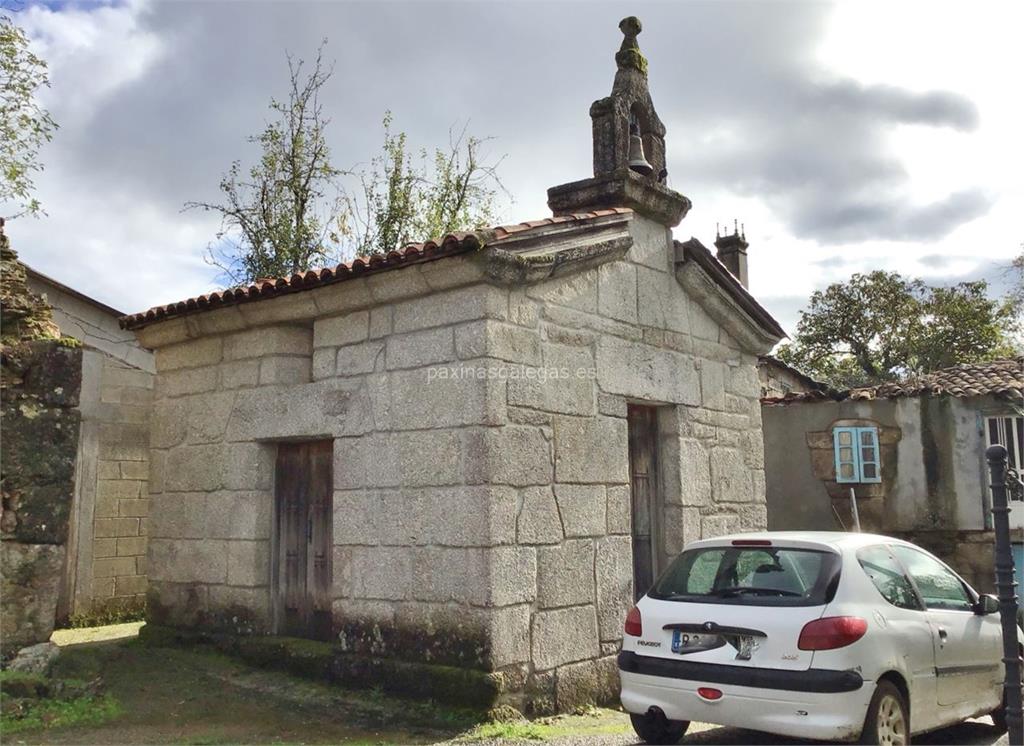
[
  {"x": 732, "y": 252},
  {"x": 627, "y": 112}
]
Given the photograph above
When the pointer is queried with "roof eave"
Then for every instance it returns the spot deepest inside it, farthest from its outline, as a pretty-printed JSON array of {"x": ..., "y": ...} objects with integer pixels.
[{"x": 725, "y": 299}]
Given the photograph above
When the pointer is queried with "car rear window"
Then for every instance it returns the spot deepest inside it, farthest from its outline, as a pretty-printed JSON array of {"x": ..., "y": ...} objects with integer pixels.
[{"x": 752, "y": 576}]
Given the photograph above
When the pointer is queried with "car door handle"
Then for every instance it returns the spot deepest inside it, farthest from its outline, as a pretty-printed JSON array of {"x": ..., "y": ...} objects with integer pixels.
[{"x": 943, "y": 635}]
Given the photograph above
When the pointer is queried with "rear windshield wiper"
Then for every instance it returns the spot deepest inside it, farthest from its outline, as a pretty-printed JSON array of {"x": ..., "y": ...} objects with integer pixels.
[{"x": 744, "y": 589}]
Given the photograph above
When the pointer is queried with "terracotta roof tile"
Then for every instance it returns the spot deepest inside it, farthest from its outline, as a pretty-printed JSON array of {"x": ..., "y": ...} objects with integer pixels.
[
  {"x": 999, "y": 378},
  {"x": 415, "y": 253},
  {"x": 969, "y": 379}
]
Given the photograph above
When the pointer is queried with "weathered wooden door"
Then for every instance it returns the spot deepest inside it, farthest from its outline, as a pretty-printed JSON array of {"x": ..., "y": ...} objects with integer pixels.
[
  {"x": 304, "y": 490},
  {"x": 643, "y": 476}
]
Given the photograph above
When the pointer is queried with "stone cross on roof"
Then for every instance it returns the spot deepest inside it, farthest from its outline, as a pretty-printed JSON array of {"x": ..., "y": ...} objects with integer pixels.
[{"x": 629, "y": 53}]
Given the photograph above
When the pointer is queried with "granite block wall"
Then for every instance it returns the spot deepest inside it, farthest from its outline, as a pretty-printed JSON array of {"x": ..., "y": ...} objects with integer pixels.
[{"x": 481, "y": 476}]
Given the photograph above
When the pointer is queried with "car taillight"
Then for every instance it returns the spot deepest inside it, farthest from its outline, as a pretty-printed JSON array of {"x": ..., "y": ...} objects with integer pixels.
[
  {"x": 634, "y": 626},
  {"x": 709, "y": 693},
  {"x": 832, "y": 632}
]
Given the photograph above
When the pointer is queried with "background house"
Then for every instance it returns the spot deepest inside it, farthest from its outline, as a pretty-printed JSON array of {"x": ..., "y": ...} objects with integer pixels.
[
  {"x": 106, "y": 557},
  {"x": 912, "y": 452},
  {"x": 779, "y": 379},
  {"x": 471, "y": 453}
]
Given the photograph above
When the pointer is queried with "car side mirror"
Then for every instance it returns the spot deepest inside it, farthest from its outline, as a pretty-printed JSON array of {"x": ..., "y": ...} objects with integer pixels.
[{"x": 987, "y": 604}]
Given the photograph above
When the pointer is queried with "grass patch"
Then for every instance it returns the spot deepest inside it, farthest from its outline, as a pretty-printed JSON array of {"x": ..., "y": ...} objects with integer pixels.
[
  {"x": 29, "y": 702},
  {"x": 112, "y": 613},
  {"x": 589, "y": 722},
  {"x": 519, "y": 731},
  {"x": 56, "y": 713},
  {"x": 20, "y": 684}
]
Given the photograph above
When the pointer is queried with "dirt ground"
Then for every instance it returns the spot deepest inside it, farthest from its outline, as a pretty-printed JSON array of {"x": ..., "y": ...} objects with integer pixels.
[
  {"x": 171, "y": 695},
  {"x": 194, "y": 697}
]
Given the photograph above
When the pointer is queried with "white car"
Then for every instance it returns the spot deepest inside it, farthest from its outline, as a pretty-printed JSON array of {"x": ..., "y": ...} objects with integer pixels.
[{"x": 825, "y": 636}]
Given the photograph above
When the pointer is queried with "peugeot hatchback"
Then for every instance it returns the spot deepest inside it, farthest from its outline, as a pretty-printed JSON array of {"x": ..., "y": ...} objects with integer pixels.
[{"x": 826, "y": 636}]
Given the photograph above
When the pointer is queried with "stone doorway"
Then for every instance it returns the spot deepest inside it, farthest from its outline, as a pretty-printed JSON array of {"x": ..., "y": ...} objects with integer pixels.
[
  {"x": 645, "y": 495},
  {"x": 303, "y": 495}
]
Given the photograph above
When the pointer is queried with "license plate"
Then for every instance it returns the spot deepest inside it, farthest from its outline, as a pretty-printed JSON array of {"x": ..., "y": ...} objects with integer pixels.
[{"x": 692, "y": 642}]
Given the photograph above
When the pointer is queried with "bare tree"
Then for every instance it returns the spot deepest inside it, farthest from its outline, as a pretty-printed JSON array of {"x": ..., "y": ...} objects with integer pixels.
[
  {"x": 280, "y": 216},
  {"x": 292, "y": 210}
]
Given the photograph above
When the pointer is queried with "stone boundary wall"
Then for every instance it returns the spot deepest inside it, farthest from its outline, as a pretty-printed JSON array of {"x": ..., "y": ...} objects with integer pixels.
[
  {"x": 106, "y": 568},
  {"x": 41, "y": 383},
  {"x": 119, "y": 545}
]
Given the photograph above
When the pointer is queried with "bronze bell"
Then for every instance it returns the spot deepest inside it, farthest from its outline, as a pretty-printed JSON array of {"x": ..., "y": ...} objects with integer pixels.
[{"x": 637, "y": 160}]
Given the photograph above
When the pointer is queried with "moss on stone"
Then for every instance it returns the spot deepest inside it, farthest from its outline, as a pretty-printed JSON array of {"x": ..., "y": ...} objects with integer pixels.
[
  {"x": 24, "y": 685},
  {"x": 157, "y": 635},
  {"x": 453, "y": 642},
  {"x": 461, "y": 686},
  {"x": 323, "y": 661},
  {"x": 308, "y": 658},
  {"x": 112, "y": 611},
  {"x": 632, "y": 58},
  {"x": 26, "y": 315},
  {"x": 234, "y": 619},
  {"x": 504, "y": 714}
]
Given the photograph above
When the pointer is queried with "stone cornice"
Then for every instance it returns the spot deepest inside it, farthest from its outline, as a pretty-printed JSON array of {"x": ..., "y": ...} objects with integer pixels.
[
  {"x": 622, "y": 188},
  {"x": 724, "y": 309}
]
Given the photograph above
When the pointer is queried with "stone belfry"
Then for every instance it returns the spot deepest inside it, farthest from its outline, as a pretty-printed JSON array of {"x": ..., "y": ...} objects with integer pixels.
[{"x": 629, "y": 148}]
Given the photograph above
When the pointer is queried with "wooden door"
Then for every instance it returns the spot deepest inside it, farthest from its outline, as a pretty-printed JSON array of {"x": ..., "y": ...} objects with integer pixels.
[
  {"x": 303, "y": 494},
  {"x": 643, "y": 477}
]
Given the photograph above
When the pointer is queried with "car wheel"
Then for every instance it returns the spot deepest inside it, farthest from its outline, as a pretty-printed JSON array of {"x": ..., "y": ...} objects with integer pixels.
[
  {"x": 999, "y": 717},
  {"x": 888, "y": 721},
  {"x": 654, "y": 727}
]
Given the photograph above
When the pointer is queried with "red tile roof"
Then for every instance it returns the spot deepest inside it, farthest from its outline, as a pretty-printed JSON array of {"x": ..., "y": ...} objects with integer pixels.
[
  {"x": 969, "y": 379},
  {"x": 416, "y": 253},
  {"x": 1003, "y": 378}
]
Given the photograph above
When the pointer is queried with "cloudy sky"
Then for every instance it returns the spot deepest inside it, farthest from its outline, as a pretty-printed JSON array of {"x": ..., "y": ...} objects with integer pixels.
[{"x": 846, "y": 136}]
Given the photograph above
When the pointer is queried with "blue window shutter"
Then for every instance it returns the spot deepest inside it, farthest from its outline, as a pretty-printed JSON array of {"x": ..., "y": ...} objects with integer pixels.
[
  {"x": 868, "y": 455},
  {"x": 847, "y": 453}
]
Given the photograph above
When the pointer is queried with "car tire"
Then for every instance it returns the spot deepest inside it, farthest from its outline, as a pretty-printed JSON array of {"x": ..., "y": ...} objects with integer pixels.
[
  {"x": 888, "y": 719},
  {"x": 999, "y": 717},
  {"x": 655, "y": 728}
]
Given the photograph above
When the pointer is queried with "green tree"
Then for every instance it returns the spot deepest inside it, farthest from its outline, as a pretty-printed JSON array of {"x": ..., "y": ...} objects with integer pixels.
[
  {"x": 882, "y": 327},
  {"x": 1016, "y": 273},
  {"x": 294, "y": 210},
  {"x": 402, "y": 197},
  {"x": 25, "y": 126}
]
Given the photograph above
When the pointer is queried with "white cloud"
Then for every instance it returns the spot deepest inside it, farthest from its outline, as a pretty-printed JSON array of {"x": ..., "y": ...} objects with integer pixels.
[{"x": 92, "y": 52}]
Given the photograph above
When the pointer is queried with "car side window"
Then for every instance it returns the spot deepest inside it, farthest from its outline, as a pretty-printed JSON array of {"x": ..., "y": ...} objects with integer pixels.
[
  {"x": 939, "y": 587},
  {"x": 888, "y": 576}
]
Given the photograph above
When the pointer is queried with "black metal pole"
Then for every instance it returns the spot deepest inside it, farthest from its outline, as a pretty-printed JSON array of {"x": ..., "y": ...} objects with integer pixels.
[{"x": 1006, "y": 586}]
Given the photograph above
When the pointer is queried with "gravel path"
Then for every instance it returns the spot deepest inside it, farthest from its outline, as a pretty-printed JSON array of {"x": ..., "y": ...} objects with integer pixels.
[{"x": 972, "y": 733}]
